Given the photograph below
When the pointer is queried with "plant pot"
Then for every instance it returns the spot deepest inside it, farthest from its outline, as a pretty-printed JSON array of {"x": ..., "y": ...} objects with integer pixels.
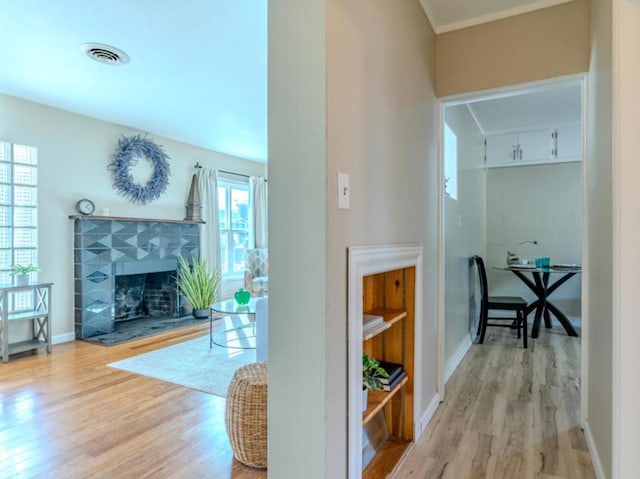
[
  {"x": 365, "y": 398},
  {"x": 201, "y": 313},
  {"x": 21, "y": 279}
]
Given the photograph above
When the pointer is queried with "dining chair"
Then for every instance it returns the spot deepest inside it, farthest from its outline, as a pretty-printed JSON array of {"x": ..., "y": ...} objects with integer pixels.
[{"x": 499, "y": 303}]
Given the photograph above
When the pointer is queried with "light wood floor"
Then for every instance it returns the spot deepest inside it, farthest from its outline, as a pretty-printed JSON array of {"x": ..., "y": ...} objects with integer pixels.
[
  {"x": 509, "y": 413},
  {"x": 67, "y": 415}
]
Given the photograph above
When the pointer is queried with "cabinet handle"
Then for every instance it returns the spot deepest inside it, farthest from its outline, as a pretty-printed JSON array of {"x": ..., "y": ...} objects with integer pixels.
[{"x": 519, "y": 153}]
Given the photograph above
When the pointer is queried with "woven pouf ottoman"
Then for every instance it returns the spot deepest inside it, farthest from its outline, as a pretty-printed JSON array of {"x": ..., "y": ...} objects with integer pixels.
[{"x": 246, "y": 415}]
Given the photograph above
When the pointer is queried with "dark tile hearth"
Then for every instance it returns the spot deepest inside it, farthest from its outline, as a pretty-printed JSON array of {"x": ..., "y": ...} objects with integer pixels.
[{"x": 143, "y": 327}]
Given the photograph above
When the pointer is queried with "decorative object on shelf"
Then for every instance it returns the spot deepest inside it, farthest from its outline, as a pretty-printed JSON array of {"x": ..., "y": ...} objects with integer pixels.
[
  {"x": 85, "y": 207},
  {"x": 194, "y": 205},
  {"x": 543, "y": 262},
  {"x": 21, "y": 273},
  {"x": 199, "y": 284},
  {"x": 129, "y": 151},
  {"x": 242, "y": 296},
  {"x": 372, "y": 373}
]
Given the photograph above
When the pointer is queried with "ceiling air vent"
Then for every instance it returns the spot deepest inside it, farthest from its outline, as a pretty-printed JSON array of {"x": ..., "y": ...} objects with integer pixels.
[{"x": 105, "y": 53}]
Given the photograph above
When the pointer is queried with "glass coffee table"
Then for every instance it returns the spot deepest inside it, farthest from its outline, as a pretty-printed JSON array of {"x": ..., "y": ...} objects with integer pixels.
[{"x": 241, "y": 337}]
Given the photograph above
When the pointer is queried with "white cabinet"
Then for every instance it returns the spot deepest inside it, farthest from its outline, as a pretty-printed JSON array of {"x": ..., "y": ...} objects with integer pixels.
[
  {"x": 535, "y": 145},
  {"x": 569, "y": 142},
  {"x": 515, "y": 148},
  {"x": 531, "y": 147},
  {"x": 501, "y": 149}
]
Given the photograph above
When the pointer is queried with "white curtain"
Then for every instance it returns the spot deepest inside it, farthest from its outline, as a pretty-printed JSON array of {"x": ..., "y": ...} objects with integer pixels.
[
  {"x": 258, "y": 227},
  {"x": 210, "y": 231}
]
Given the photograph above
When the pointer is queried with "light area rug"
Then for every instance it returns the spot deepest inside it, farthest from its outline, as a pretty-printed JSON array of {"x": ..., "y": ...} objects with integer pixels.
[{"x": 192, "y": 364}]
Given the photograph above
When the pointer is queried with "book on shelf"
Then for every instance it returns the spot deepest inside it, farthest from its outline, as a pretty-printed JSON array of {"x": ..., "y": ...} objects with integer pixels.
[
  {"x": 370, "y": 321},
  {"x": 392, "y": 369},
  {"x": 391, "y": 386}
]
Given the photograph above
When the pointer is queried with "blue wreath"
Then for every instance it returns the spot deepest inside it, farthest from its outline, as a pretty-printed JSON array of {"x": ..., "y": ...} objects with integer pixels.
[{"x": 129, "y": 150}]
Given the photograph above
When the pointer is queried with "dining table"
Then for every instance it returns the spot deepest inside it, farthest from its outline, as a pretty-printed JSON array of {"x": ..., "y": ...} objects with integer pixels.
[{"x": 541, "y": 283}]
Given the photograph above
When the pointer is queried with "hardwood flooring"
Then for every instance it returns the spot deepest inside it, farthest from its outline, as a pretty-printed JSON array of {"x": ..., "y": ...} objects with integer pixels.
[
  {"x": 509, "y": 413},
  {"x": 67, "y": 415}
]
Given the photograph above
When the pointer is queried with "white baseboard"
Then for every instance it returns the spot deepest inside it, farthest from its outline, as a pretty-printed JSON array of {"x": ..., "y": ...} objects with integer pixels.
[
  {"x": 454, "y": 361},
  {"x": 63, "y": 338},
  {"x": 428, "y": 414},
  {"x": 593, "y": 451}
]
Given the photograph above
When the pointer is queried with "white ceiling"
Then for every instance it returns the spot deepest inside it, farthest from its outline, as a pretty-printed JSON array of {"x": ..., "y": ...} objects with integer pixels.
[
  {"x": 535, "y": 108},
  {"x": 198, "y": 70},
  {"x": 447, "y": 15}
]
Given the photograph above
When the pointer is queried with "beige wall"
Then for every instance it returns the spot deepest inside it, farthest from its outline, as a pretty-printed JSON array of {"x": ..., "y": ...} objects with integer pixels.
[
  {"x": 625, "y": 461},
  {"x": 381, "y": 123},
  {"x": 464, "y": 229},
  {"x": 380, "y": 129},
  {"x": 533, "y": 46},
  {"x": 73, "y": 154}
]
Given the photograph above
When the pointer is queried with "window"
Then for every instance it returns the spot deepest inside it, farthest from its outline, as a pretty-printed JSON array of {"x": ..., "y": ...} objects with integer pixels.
[
  {"x": 18, "y": 212},
  {"x": 450, "y": 162},
  {"x": 233, "y": 204}
]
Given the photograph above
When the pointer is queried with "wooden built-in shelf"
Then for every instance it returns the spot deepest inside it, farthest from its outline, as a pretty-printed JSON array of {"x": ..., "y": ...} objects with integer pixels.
[
  {"x": 377, "y": 400},
  {"x": 389, "y": 316},
  {"x": 127, "y": 218},
  {"x": 387, "y": 458},
  {"x": 389, "y": 416}
]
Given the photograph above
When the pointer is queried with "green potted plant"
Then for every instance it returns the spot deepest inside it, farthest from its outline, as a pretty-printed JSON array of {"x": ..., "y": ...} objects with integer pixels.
[
  {"x": 371, "y": 374},
  {"x": 199, "y": 284},
  {"x": 21, "y": 273}
]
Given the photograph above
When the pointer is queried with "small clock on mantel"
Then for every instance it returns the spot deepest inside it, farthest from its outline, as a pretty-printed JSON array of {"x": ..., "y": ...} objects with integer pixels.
[{"x": 85, "y": 207}]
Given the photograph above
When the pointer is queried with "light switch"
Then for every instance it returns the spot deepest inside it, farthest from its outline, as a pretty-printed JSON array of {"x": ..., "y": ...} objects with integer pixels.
[{"x": 344, "y": 193}]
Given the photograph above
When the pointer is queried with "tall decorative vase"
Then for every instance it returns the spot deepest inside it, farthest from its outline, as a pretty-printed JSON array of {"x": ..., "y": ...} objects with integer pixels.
[{"x": 194, "y": 205}]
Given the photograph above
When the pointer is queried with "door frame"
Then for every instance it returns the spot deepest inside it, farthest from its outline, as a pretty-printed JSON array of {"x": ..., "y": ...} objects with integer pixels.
[{"x": 494, "y": 94}]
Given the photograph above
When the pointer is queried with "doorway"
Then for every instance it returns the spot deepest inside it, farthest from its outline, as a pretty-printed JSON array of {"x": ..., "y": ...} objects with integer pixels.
[{"x": 512, "y": 172}]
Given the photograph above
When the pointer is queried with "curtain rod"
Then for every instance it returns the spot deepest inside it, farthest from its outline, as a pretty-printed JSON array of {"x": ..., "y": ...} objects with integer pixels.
[
  {"x": 198, "y": 166},
  {"x": 232, "y": 173}
]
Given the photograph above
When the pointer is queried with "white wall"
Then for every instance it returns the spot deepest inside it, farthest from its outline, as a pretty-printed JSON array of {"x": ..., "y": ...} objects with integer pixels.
[
  {"x": 542, "y": 203},
  {"x": 598, "y": 357},
  {"x": 298, "y": 413},
  {"x": 465, "y": 220},
  {"x": 380, "y": 114},
  {"x": 73, "y": 154}
]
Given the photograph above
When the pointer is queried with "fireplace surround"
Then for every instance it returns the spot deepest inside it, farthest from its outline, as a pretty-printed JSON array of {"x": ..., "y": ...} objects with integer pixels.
[{"x": 108, "y": 247}]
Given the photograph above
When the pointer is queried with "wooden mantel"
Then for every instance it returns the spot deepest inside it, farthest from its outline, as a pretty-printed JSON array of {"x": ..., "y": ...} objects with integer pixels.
[{"x": 125, "y": 218}]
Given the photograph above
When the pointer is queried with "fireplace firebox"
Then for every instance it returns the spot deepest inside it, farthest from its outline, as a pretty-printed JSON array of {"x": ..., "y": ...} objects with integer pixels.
[{"x": 147, "y": 290}]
